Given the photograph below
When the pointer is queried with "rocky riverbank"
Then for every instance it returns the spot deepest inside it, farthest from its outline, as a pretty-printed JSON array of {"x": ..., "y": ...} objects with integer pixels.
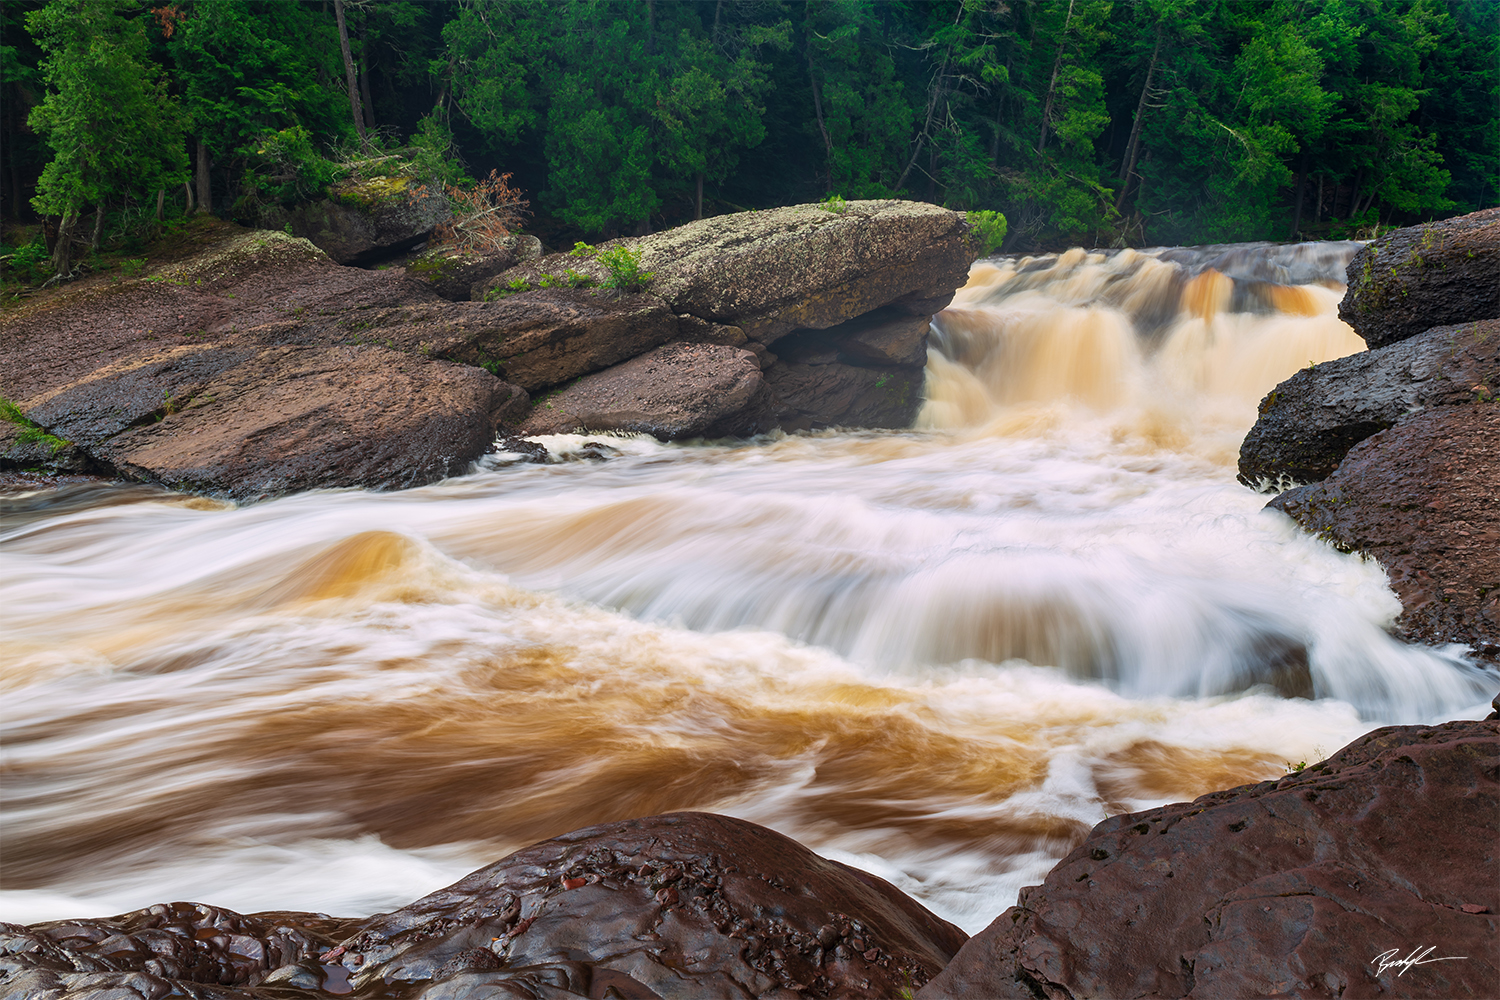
[
  {"x": 253, "y": 365},
  {"x": 1392, "y": 452}
]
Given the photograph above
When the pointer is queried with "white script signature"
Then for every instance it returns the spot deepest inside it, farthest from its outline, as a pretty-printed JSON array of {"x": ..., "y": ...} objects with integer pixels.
[{"x": 1387, "y": 959}]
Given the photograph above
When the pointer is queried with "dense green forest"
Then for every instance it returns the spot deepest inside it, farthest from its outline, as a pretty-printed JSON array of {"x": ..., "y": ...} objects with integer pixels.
[{"x": 1130, "y": 122}]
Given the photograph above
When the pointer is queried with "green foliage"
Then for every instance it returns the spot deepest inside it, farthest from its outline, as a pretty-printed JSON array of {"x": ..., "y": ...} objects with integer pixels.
[
  {"x": 834, "y": 203},
  {"x": 622, "y": 263},
  {"x": 1092, "y": 121},
  {"x": 30, "y": 431},
  {"x": 114, "y": 130},
  {"x": 436, "y": 157},
  {"x": 28, "y": 264},
  {"x": 286, "y": 167},
  {"x": 987, "y": 230}
]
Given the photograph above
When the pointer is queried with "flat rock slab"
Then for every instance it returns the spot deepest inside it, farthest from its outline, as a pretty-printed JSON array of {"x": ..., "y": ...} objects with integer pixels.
[
  {"x": 1424, "y": 276},
  {"x": 248, "y": 423},
  {"x": 673, "y": 392},
  {"x": 1421, "y": 498},
  {"x": 1297, "y": 887},
  {"x": 1308, "y": 423}
]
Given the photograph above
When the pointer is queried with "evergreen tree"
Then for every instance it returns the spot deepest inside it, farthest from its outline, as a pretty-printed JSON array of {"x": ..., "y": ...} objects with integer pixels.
[{"x": 114, "y": 131}]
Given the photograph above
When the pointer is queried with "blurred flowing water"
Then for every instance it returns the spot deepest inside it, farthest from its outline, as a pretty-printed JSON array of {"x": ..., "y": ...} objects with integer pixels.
[{"x": 940, "y": 655}]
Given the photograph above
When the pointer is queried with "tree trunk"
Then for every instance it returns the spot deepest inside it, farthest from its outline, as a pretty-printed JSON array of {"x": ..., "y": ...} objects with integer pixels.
[
  {"x": 187, "y": 198},
  {"x": 62, "y": 251},
  {"x": 354, "y": 105},
  {"x": 1359, "y": 176},
  {"x": 98, "y": 227},
  {"x": 1133, "y": 147},
  {"x": 364, "y": 80},
  {"x": 1062, "y": 45},
  {"x": 698, "y": 205},
  {"x": 1297, "y": 213},
  {"x": 205, "y": 187},
  {"x": 1318, "y": 206},
  {"x": 161, "y": 202},
  {"x": 818, "y": 111}
]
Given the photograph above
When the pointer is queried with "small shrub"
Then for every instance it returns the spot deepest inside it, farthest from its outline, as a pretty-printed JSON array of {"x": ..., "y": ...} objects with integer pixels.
[
  {"x": 286, "y": 167},
  {"x": 622, "y": 263},
  {"x": 834, "y": 203},
  {"x": 133, "y": 267},
  {"x": 30, "y": 264},
  {"x": 986, "y": 231}
]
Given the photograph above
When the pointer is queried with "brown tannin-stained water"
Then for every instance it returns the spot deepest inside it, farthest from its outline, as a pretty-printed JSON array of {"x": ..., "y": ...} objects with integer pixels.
[{"x": 940, "y": 655}]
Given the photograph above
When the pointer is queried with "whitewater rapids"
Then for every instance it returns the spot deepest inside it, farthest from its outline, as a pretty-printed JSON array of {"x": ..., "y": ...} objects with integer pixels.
[{"x": 940, "y": 655}]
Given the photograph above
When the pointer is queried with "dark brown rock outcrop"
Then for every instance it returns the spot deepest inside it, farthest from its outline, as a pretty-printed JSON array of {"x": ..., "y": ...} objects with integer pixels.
[
  {"x": 1424, "y": 276},
  {"x": 1300, "y": 887},
  {"x": 673, "y": 392},
  {"x": 680, "y": 905},
  {"x": 1309, "y": 422},
  {"x": 1421, "y": 498},
  {"x": 365, "y": 219}
]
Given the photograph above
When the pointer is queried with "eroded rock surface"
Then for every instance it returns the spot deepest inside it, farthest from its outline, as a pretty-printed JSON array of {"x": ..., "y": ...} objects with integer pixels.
[
  {"x": 680, "y": 905},
  {"x": 1309, "y": 422},
  {"x": 163, "y": 950},
  {"x": 1421, "y": 498},
  {"x": 676, "y": 391},
  {"x": 1424, "y": 276},
  {"x": 1293, "y": 887}
]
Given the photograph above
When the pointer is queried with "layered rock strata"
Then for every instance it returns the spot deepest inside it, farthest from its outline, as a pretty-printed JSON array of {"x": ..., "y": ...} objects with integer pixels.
[{"x": 253, "y": 365}]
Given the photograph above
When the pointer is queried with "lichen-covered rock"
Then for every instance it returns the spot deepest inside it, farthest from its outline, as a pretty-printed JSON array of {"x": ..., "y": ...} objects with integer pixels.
[
  {"x": 783, "y": 269},
  {"x": 674, "y": 392},
  {"x": 1420, "y": 498},
  {"x": 1309, "y": 422},
  {"x": 365, "y": 219},
  {"x": 1313, "y": 885},
  {"x": 1435, "y": 274}
]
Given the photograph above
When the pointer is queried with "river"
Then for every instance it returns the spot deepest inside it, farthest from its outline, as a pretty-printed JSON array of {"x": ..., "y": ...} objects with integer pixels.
[{"x": 940, "y": 655}]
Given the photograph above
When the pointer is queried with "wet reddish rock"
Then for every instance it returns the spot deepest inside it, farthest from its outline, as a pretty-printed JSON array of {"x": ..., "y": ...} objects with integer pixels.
[
  {"x": 685, "y": 904},
  {"x": 1423, "y": 276},
  {"x": 1296, "y": 887},
  {"x": 152, "y": 952},
  {"x": 1308, "y": 423},
  {"x": 1421, "y": 498},
  {"x": 673, "y": 392}
]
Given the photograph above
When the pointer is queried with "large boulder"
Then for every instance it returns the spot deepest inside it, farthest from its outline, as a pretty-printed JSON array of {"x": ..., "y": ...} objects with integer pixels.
[
  {"x": 784, "y": 269},
  {"x": 673, "y": 392},
  {"x": 365, "y": 219},
  {"x": 680, "y": 905},
  {"x": 1309, "y": 422},
  {"x": 1420, "y": 498},
  {"x": 1314, "y": 885},
  {"x": 1424, "y": 276}
]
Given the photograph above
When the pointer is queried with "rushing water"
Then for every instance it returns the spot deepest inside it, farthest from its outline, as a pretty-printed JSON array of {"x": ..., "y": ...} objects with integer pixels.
[{"x": 941, "y": 655}]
